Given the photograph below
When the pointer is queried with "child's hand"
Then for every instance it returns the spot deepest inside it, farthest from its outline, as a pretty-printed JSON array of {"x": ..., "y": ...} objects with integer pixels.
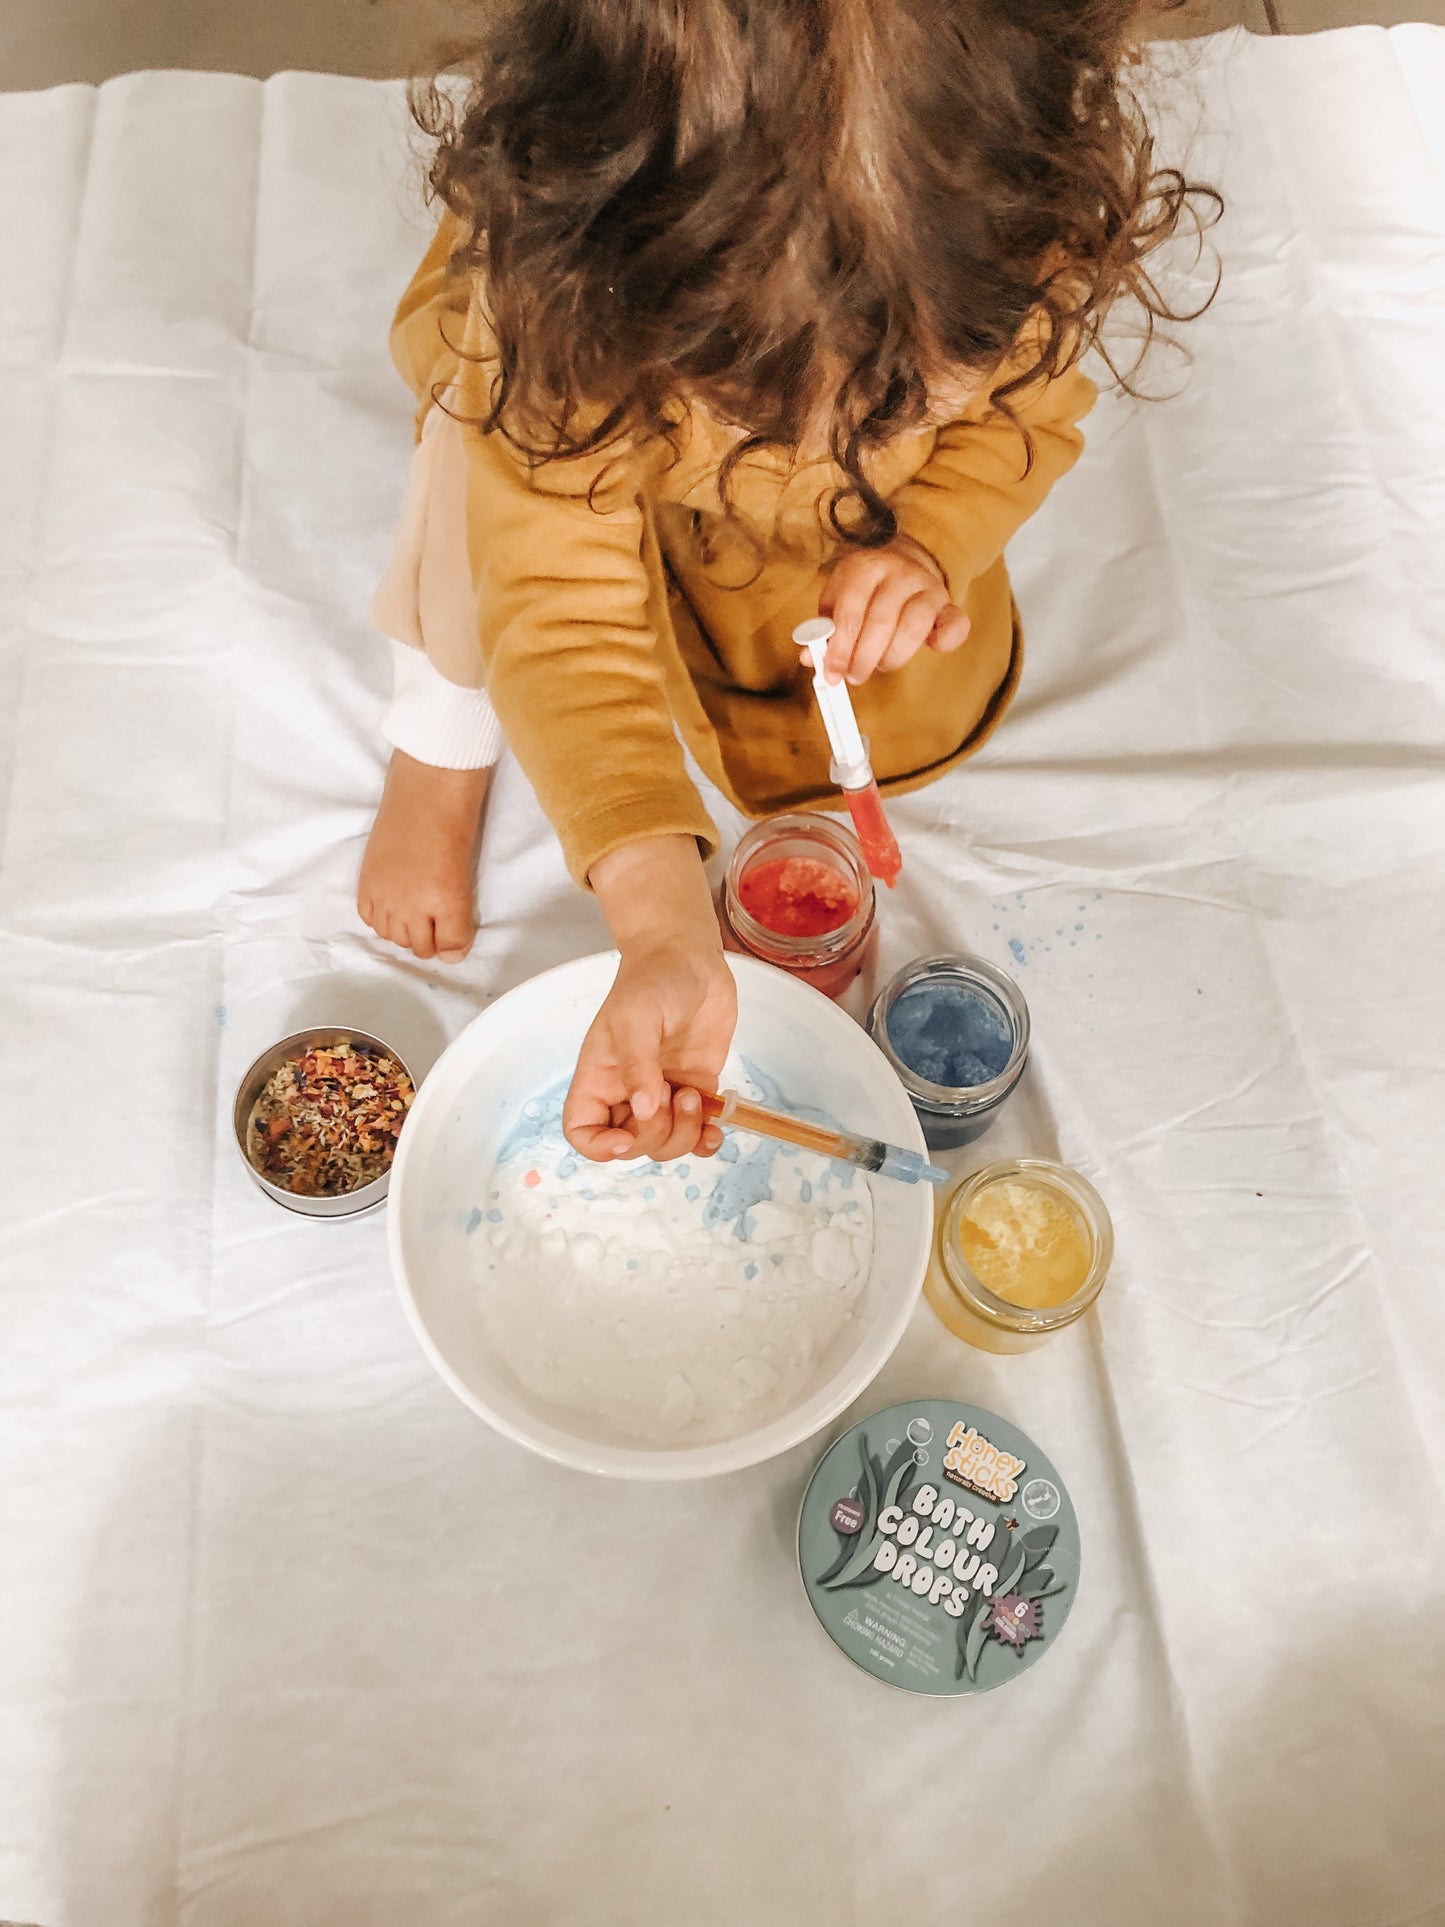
[
  {"x": 660, "y": 1038},
  {"x": 886, "y": 605},
  {"x": 664, "y": 1032}
]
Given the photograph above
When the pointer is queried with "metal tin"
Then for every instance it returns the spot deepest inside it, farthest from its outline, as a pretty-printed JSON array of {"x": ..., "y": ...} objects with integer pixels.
[
  {"x": 349, "y": 1204},
  {"x": 939, "y": 1548}
]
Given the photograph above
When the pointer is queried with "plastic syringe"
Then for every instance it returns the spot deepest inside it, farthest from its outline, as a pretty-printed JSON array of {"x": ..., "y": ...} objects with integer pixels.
[
  {"x": 867, "y": 1153},
  {"x": 851, "y": 769}
]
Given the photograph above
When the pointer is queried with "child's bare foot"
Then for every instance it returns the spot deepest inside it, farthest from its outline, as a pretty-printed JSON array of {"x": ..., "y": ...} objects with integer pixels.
[{"x": 418, "y": 877}]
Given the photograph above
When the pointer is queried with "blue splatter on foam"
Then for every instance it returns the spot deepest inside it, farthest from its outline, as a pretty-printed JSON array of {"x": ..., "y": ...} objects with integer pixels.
[
  {"x": 741, "y": 1181},
  {"x": 474, "y": 1220},
  {"x": 750, "y": 1271},
  {"x": 741, "y": 1186},
  {"x": 541, "y": 1119},
  {"x": 1016, "y": 949},
  {"x": 748, "y": 1181},
  {"x": 805, "y": 1192},
  {"x": 494, "y": 1215}
]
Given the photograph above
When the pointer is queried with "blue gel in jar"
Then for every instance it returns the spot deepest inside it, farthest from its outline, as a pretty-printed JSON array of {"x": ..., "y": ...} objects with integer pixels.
[{"x": 956, "y": 1030}]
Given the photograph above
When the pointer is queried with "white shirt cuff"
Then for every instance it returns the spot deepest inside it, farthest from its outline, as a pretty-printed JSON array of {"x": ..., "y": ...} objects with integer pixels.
[{"x": 436, "y": 721}]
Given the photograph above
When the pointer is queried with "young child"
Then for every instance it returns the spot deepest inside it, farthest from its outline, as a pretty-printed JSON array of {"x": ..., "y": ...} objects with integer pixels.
[{"x": 737, "y": 313}]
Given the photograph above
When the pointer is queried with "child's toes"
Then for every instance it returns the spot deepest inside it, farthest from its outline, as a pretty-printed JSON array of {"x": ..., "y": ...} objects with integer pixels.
[
  {"x": 420, "y": 939},
  {"x": 454, "y": 934}
]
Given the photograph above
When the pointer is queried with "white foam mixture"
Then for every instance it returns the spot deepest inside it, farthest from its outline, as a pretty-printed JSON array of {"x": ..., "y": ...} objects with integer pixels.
[{"x": 679, "y": 1303}]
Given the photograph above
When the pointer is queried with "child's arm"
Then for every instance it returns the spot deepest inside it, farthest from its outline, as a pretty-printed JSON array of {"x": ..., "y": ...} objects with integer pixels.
[
  {"x": 570, "y": 595},
  {"x": 571, "y": 601},
  {"x": 961, "y": 509},
  {"x": 430, "y": 319},
  {"x": 663, "y": 1032}
]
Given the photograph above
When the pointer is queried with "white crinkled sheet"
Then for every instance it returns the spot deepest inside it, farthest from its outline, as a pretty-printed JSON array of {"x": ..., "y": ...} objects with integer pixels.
[{"x": 286, "y": 1635}]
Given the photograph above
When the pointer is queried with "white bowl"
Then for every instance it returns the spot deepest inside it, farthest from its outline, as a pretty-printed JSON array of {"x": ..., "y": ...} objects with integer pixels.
[{"x": 528, "y": 1041}]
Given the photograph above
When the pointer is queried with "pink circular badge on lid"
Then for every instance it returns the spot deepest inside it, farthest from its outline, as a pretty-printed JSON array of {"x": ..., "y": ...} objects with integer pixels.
[{"x": 847, "y": 1516}]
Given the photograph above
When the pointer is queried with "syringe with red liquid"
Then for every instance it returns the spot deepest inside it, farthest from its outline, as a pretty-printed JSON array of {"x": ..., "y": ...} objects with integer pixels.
[{"x": 851, "y": 770}]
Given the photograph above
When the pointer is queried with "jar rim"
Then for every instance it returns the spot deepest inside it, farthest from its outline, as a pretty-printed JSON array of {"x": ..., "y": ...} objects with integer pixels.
[
  {"x": 800, "y": 952},
  {"x": 956, "y": 1100},
  {"x": 1002, "y": 1312}
]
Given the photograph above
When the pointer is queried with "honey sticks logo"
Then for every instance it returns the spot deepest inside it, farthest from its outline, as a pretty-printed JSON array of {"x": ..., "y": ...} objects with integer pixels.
[{"x": 972, "y": 1462}]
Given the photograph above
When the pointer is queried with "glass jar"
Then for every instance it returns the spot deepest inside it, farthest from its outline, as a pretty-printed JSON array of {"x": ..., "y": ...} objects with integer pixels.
[
  {"x": 829, "y": 959},
  {"x": 959, "y": 1016},
  {"x": 1039, "y": 1285}
]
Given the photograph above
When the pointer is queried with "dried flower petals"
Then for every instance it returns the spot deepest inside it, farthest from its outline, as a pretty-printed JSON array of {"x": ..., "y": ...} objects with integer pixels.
[{"x": 327, "y": 1121}]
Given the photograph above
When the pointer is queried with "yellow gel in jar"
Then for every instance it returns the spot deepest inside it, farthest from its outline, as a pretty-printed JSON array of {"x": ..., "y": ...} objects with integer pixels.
[
  {"x": 1025, "y": 1243},
  {"x": 1023, "y": 1250}
]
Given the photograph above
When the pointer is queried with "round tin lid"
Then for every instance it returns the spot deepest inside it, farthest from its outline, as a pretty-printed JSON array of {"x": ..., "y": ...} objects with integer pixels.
[{"x": 939, "y": 1548}]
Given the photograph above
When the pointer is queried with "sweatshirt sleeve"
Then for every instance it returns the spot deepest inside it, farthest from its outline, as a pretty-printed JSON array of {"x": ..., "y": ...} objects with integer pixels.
[
  {"x": 429, "y": 320},
  {"x": 571, "y": 602},
  {"x": 972, "y": 495}
]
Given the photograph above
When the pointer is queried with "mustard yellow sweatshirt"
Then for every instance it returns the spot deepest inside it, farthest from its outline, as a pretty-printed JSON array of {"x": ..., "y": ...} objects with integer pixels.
[{"x": 610, "y": 627}]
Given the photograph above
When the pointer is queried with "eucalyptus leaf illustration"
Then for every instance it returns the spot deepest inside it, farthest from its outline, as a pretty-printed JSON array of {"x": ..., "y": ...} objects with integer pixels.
[
  {"x": 858, "y": 1554},
  {"x": 858, "y": 1569},
  {"x": 1010, "y": 1569},
  {"x": 973, "y": 1617},
  {"x": 1037, "y": 1540},
  {"x": 900, "y": 1479},
  {"x": 856, "y": 1563},
  {"x": 849, "y": 1542},
  {"x": 868, "y": 1491},
  {"x": 904, "y": 1495},
  {"x": 1035, "y": 1583},
  {"x": 977, "y": 1634},
  {"x": 1061, "y": 1587}
]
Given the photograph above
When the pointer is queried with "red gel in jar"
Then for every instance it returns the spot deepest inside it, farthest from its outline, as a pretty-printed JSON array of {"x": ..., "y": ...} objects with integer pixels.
[{"x": 798, "y": 895}]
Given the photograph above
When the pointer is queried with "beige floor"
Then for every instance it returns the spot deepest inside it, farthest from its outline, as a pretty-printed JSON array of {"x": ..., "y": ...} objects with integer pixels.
[{"x": 43, "y": 42}]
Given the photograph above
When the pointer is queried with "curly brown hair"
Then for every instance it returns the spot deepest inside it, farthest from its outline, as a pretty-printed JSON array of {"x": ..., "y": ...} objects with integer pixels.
[{"x": 787, "y": 207}]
